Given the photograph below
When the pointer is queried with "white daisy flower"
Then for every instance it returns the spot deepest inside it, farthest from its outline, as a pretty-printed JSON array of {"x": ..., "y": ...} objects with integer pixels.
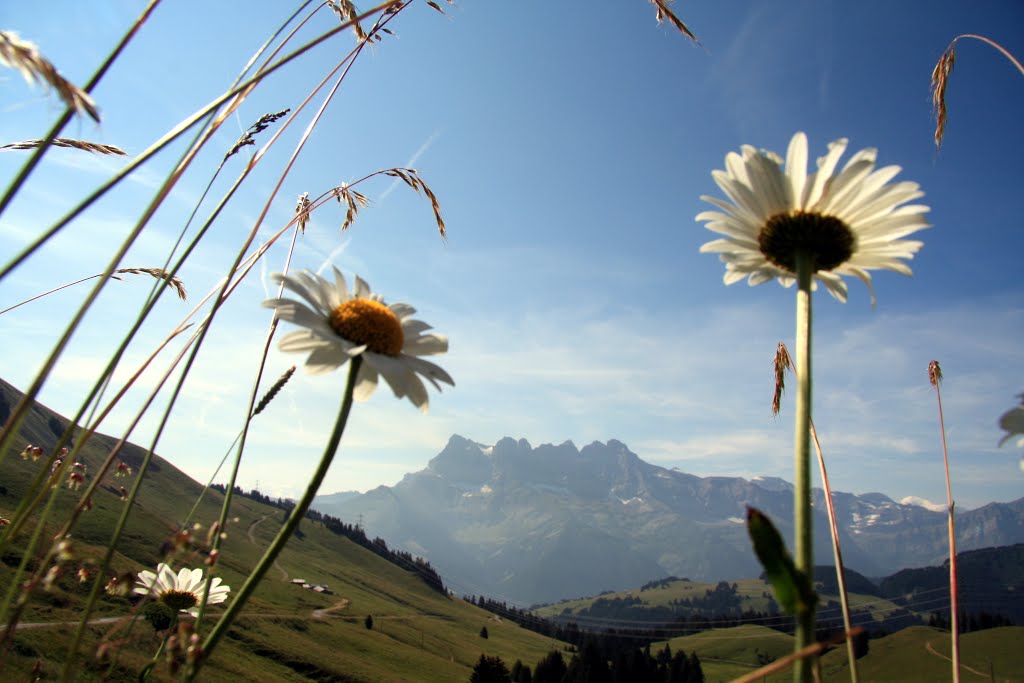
[
  {"x": 182, "y": 591},
  {"x": 850, "y": 221},
  {"x": 340, "y": 325}
]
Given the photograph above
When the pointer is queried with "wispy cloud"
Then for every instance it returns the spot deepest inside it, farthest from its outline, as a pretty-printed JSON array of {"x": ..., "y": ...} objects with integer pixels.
[{"x": 410, "y": 164}]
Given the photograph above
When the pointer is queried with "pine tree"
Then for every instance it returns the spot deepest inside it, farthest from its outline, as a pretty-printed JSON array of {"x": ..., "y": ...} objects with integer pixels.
[
  {"x": 490, "y": 670},
  {"x": 551, "y": 669}
]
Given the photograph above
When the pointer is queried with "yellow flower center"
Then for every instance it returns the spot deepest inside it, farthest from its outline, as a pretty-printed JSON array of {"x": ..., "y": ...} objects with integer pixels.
[
  {"x": 827, "y": 239},
  {"x": 369, "y": 322}
]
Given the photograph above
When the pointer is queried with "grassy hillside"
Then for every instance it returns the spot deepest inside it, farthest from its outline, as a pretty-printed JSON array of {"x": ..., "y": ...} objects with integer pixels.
[
  {"x": 418, "y": 633},
  {"x": 751, "y": 595},
  {"x": 914, "y": 655}
]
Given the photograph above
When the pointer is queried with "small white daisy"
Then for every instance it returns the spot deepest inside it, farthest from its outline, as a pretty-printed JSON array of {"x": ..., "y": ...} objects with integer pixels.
[
  {"x": 182, "y": 591},
  {"x": 341, "y": 325},
  {"x": 849, "y": 221}
]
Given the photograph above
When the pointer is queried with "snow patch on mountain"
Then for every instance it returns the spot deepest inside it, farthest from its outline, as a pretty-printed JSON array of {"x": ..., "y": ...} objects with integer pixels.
[{"x": 924, "y": 503}]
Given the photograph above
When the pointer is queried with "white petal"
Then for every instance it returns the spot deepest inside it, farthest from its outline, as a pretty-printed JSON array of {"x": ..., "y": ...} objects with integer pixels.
[
  {"x": 362, "y": 290},
  {"x": 295, "y": 312},
  {"x": 796, "y": 168},
  {"x": 298, "y": 287},
  {"x": 339, "y": 294},
  {"x": 366, "y": 382},
  {"x": 770, "y": 184},
  {"x": 426, "y": 345},
  {"x": 412, "y": 327},
  {"x": 432, "y": 372},
  {"x": 402, "y": 310},
  {"x": 815, "y": 185},
  {"x": 324, "y": 359}
]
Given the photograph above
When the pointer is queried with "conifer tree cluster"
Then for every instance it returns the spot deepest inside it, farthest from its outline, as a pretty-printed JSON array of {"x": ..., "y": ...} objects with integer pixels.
[{"x": 591, "y": 664}]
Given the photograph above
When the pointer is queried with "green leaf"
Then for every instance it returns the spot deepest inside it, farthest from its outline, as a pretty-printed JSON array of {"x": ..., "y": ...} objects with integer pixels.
[{"x": 793, "y": 589}]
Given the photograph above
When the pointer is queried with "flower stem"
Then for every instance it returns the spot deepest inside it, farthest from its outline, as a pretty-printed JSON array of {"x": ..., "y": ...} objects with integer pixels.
[
  {"x": 802, "y": 521},
  {"x": 221, "y": 627}
]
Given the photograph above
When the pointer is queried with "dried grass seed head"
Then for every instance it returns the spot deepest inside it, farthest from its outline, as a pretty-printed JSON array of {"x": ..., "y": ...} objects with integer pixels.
[
  {"x": 172, "y": 281},
  {"x": 781, "y": 363},
  {"x": 83, "y": 145},
  {"x": 25, "y": 57}
]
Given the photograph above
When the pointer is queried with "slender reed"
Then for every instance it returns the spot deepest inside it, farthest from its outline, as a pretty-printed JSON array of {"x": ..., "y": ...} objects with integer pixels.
[
  {"x": 264, "y": 402},
  {"x": 58, "y": 126},
  {"x": 173, "y": 282},
  {"x": 811, "y": 651},
  {"x": 286, "y": 531},
  {"x": 17, "y": 415},
  {"x": 302, "y": 214},
  {"x": 935, "y": 378}
]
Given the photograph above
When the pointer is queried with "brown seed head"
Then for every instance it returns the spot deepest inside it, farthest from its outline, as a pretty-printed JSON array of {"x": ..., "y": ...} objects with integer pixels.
[
  {"x": 24, "y": 56},
  {"x": 934, "y": 373},
  {"x": 782, "y": 363},
  {"x": 940, "y": 78}
]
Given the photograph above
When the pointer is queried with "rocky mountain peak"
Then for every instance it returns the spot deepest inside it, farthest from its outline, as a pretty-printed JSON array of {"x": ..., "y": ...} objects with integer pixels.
[{"x": 461, "y": 460}]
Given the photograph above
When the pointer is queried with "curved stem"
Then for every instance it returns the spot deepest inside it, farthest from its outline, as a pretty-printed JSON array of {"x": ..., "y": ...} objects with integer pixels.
[
  {"x": 988, "y": 41},
  {"x": 802, "y": 520},
  {"x": 277, "y": 545},
  {"x": 51, "y": 291}
]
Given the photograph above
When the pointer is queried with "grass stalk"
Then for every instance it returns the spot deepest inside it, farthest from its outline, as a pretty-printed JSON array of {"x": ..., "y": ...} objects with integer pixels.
[
  {"x": 935, "y": 377},
  {"x": 18, "y": 414},
  {"x": 173, "y": 282},
  {"x": 251, "y": 411},
  {"x": 33, "y": 160},
  {"x": 837, "y": 556},
  {"x": 802, "y": 519},
  {"x": 286, "y": 531}
]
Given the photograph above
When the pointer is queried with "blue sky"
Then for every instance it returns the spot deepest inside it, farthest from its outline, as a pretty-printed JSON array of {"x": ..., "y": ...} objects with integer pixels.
[{"x": 568, "y": 144}]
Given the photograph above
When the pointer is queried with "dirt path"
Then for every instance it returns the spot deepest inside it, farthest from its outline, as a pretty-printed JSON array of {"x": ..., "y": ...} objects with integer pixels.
[
  {"x": 252, "y": 539},
  {"x": 336, "y": 607},
  {"x": 931, "y": 650},
  {"x": 50, "y": 624}
]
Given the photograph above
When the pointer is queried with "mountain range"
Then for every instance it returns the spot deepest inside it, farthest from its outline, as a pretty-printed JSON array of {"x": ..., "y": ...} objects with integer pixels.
[{"x": 538, "y": 524}]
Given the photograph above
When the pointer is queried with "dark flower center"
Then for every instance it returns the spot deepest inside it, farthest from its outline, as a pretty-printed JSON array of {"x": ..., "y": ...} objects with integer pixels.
[
  {"x": 179, "y": 600},
  {"x": 826, "y": 238},
  {"x": 369, "y": 322}
]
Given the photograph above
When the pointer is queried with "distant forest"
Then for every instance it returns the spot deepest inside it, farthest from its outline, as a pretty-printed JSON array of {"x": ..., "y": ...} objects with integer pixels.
[{"x": 354, "y": 533}]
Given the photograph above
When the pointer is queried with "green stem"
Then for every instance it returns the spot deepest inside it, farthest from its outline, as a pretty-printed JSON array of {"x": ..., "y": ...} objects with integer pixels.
[
  {"x": 802, "y": 520},
  {"x": 277, "y": 545}
]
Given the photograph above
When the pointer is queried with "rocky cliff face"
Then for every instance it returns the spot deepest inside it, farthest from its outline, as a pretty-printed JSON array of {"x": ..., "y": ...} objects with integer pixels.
[{"x": 539, "y": 524}]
